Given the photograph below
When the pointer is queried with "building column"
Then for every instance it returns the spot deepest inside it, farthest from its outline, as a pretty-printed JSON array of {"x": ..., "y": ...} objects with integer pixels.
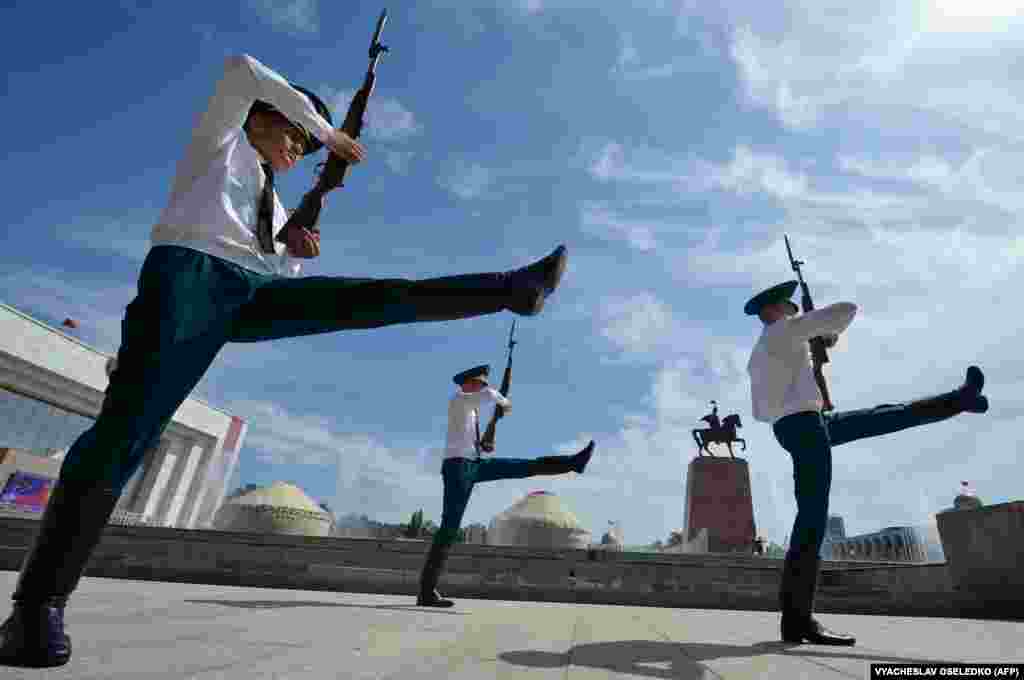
[
  {"x": 193, "y": 500},
  {"x": 184, "y": 488},
  {"x": 217, "y": 472},
  {"x": 147, "y": 473},
  {"x": 161, "y": 473}
]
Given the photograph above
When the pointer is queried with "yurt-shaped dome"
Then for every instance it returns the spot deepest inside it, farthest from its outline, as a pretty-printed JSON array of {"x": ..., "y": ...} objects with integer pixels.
[
  {"x": 539, "y": 520},
  {"x": 280, "y": 508}
]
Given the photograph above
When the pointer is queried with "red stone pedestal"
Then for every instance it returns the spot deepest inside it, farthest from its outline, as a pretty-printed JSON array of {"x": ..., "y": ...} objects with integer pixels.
[{"x": 718, "y": 499}]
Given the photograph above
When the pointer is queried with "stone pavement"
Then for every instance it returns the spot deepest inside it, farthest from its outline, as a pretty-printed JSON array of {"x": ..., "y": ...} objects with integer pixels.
[{"x": 135, "y": 629}]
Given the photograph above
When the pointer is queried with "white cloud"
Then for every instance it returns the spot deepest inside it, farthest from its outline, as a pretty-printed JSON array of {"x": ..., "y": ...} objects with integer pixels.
[
  {"x": 291, "y": 16},
  {"x": 399, "y": 161},
  {"x": 385, "y": 481},
  {"x": 387, "y": 119},
  {"x": 598, "y": 220},
  {"x": 466, "y": 180},
  {"x": 97, "y": 306},
  {"x": 127, "y": 240},
  {"x": 879, "y": 60},
  {"x": 750, "y": 172}
]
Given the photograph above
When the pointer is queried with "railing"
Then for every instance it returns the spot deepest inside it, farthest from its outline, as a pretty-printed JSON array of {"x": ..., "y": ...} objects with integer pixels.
[{"x": 129, "y": 519}]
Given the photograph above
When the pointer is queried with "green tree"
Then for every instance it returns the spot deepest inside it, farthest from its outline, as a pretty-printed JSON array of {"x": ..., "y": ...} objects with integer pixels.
[
  {"x": 774, "y": 550},
  {"x": 415, "y": 525}
]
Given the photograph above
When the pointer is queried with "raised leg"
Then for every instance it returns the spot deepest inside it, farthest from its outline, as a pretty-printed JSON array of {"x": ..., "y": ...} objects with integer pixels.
[
  {"x": 322, "y": 304},
  {"x": 491, "y": 469},
  {"x": 848, "y": 426}
]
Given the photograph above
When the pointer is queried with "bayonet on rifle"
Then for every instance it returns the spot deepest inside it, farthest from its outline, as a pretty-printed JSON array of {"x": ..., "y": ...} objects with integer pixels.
[
  {"x": 333, "y": 170},
  {"x": 819, "y": 355}
]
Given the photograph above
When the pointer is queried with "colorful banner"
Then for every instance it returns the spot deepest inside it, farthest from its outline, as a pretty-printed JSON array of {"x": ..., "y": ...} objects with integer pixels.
[{"x": 27, "y": 491}]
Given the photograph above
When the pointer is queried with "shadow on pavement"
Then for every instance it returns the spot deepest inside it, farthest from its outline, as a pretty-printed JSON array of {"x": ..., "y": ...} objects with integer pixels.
[
  {"x": 683, "y": 659},
  {"x": 281, "y": 604}
]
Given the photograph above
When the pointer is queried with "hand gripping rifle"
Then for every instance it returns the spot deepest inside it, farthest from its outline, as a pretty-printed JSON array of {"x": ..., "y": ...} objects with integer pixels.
[
  {"x": 332, "y": 171},
  {"x": 487, "y": 441},
  {"x": 819, "y": 356}
]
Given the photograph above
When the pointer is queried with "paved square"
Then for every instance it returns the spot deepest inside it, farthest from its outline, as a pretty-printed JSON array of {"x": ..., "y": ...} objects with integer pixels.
[{"x": 134, "y": 629}]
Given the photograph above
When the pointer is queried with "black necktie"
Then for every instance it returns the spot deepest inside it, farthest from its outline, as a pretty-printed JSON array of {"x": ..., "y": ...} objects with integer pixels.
[
  {"x": 476, "y": 444},
  {"x": 265, "y": 217}
]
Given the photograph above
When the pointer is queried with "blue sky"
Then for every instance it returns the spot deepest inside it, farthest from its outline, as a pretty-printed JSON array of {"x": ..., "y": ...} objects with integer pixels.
[{"x": 669, "y": 146}]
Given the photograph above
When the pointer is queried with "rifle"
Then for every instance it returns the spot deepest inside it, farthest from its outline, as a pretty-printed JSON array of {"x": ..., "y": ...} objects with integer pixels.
[
  {"x": 487, "y": 441},
  {"x": 819, "y": 356},
  {"x": 332, "y": 171}
]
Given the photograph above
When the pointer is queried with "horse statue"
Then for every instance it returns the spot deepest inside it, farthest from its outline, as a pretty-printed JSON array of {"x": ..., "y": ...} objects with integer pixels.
[{"x": 718, "y": 433}]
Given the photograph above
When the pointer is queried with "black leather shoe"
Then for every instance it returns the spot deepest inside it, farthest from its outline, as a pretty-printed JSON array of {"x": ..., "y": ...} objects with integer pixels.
[
  {"x": 434, "y": 599},
  {"x": 71, "y": 526},
  {"x": 814, "y": 633},
  {"x": 975, "y": 379},
  {"x": 971, "y": 398},
  {"x": 33, "y": 636},
  {"x": 538, "y": 281},
  {"x": 581, "y": 459}
]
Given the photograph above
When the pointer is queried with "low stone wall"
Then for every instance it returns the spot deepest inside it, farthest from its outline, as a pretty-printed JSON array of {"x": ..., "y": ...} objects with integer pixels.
[
  {"x": 507, "y": 573},
  {"x": 985, "y": 549}
]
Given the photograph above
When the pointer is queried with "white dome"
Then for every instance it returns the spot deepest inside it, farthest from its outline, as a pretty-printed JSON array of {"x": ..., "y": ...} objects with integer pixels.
[
  {"x": 541, "y": 507},
  {"x": 280, "y": 508},
  {"x": 538, "y": 520},
  {"x": 279, "y": 495}
]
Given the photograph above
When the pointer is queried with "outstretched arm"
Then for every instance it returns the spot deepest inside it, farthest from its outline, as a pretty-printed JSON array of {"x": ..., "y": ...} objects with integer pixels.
[
  {"x": 489, "y": 394},
  {"x": 244, "y": 81},
  {"x": 830, "y": 320}
]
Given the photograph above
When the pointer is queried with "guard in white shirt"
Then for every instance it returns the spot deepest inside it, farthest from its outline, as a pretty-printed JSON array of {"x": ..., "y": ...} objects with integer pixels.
[
  {"x": 785, "y": 394},
  {"x": 463, "y": 467},
  {"x": 217, "y": 274}
]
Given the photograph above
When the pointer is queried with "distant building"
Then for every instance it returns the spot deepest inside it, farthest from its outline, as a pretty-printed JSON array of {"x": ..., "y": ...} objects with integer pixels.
[
  {"x": 835, "y": 529},
  {"x": 893, "y": 544},
  {"x": 475, "y": 534},
  {"x": 52, "y": 386},
  {"x": 539, "y": 520},
  {"x": 613, "y": 538},
  {"x": 280, "y": 508},
  {"x": 835, "y": 532}
]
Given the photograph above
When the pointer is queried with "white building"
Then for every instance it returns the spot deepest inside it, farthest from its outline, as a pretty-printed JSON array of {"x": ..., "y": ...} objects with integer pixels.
[{"x": 51, "y": 389}]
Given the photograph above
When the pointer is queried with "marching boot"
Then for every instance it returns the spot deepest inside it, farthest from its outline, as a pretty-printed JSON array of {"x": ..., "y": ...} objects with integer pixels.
[
  {"x": 429, "y": 597},
  {"x": 581, "y": 459},
  {"x": 559, "y": 465},
  {"x": 796, "y": 599},
  {"x": 537, "y": 281},
  {"x": 521, "y": 291},
  {"x": 965, "y": 399},
  {"x": 33, "y": 635}
]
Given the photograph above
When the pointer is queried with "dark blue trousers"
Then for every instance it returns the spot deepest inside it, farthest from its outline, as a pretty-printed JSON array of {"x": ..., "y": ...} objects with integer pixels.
[
  {"x": 190, "y": 304},
  {"x": 809, "y": 438},
  {"x": 460, "y": 475}
]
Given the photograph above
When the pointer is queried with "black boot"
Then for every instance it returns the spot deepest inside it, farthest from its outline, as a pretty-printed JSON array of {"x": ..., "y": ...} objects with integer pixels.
[
  {"x": 521, "y": 291},
  {"x": 559, "y": 465},
  {"x": 581, "y": 459},
  {"x": 429, "y": 597},
  {"x": 539, "y": 280},
  {"x": 965, "y": 399},
  {"x": 796, "y": 599},
  {"x": 33, "y": 635}
]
